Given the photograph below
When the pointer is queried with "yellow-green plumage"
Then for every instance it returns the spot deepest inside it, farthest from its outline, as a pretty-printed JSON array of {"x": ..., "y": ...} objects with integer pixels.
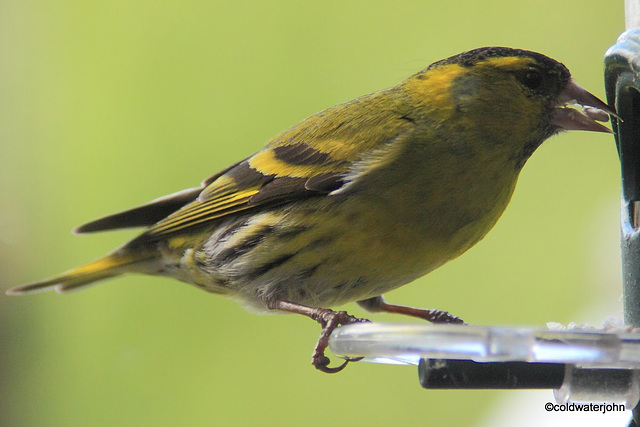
[{"x": 360, "y": 198}]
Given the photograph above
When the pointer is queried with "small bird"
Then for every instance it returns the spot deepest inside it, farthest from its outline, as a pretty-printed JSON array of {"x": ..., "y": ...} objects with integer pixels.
[{"x": 360, "y": 198}]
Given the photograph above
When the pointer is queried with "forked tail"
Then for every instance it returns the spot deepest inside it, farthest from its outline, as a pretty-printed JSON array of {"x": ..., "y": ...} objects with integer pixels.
[{"x": 114, "y": 264}]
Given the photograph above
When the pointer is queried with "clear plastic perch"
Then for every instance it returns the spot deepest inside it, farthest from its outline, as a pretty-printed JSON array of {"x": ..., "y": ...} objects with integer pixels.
[{"x": 408, "y": 343}]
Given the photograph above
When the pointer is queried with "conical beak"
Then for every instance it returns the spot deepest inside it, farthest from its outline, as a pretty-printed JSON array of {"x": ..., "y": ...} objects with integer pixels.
[{"x": 577, "y": 109}]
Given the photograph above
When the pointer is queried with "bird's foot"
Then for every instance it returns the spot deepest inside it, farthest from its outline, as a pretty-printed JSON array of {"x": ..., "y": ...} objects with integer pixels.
[
  {"x": 329, "y": 320},
  {"x": 378, "y": 304}
]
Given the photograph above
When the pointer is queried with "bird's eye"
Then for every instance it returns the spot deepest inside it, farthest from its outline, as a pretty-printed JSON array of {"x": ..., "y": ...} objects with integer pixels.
[{"x": 532, "y": 79}]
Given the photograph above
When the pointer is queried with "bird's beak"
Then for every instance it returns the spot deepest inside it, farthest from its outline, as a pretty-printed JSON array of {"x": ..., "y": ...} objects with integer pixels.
[{"x": 577, "y": 109}]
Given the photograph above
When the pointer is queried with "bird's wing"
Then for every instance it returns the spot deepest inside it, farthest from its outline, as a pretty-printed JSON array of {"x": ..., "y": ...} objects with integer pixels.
[
  {"x": 147, "y": 214},
  {"x": 252, "y": 183},
  {"x": 299, "y": 163}
]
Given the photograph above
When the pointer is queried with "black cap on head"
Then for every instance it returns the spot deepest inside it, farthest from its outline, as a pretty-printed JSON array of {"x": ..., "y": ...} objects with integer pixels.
[
  {"x": 472, "y": 57},
  {"x": 544, "y": 76}
]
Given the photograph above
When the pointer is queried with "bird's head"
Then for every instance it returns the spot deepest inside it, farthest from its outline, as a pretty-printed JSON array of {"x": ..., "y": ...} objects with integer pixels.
[{"x": 511, "y": 97}]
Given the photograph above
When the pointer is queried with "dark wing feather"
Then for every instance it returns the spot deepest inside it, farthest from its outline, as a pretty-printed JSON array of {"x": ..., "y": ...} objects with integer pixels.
[
  {"x": 241, "y": 189},
  {"x": 150, "y": 213},
  {"x": 142, "y": 216}
]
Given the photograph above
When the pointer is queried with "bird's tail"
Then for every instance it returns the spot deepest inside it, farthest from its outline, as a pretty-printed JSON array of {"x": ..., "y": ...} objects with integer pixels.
[{"x": 114, "y": 264}]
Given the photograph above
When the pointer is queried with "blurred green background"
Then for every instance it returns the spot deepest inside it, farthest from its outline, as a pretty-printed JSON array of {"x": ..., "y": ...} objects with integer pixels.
[{"x": 106, "y": 105}]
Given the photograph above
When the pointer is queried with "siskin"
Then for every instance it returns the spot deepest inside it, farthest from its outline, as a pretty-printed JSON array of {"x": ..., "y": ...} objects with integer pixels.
[{"x": 360, "y": 198}]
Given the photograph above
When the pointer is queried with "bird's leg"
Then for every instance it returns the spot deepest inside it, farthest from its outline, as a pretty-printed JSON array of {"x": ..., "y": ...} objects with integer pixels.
[
  {"x": 329, "y": 320},
  {"x": 378, "y": 304}
]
